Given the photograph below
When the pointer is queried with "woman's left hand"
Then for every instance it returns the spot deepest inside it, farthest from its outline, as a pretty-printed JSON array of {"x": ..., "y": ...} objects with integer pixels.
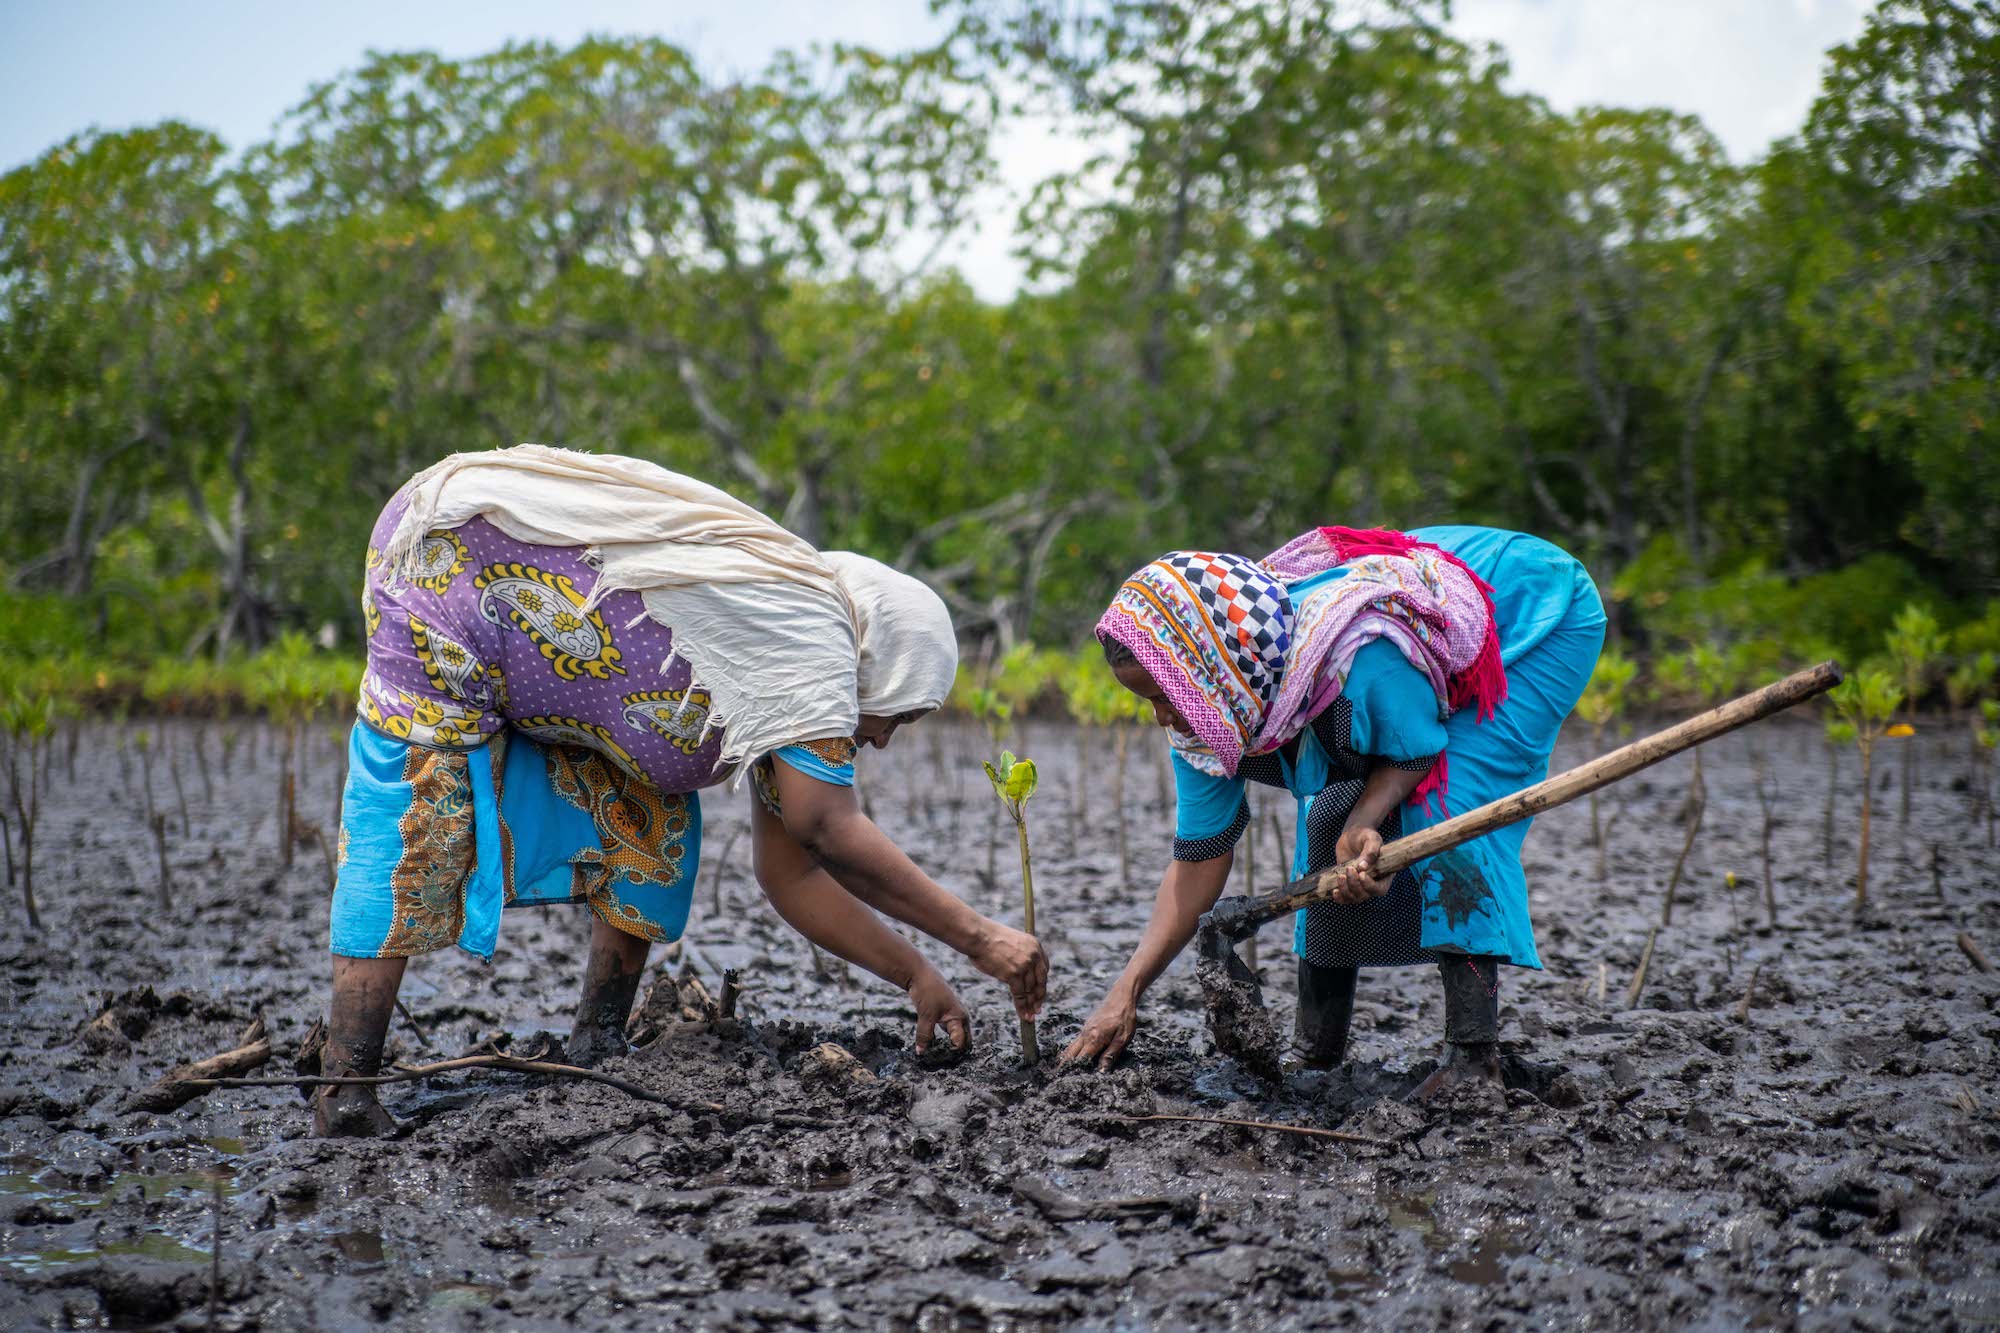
[
  {"x": 937, "y": 1007},
  {"x": 1354, "y": 884}
]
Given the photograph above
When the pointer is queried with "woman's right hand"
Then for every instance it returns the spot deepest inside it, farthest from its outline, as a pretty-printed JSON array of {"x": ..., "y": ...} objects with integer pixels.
[
  {"x": 1105, "y": 1032},
  {"x": 1015, "y": 959}
]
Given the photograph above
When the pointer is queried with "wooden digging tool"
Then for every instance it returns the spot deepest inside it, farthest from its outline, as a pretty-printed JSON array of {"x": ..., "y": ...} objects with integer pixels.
[{"x": 1235, "y": 1000}]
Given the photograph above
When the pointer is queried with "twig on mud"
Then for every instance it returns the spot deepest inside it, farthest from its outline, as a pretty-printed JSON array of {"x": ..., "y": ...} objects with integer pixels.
[
  {"x": 159, "y": 823},
  {"x": 1337, "y": 1135},
  {"x": 1749, "y": 994},
  {"x": 1059, "y": 1207},
  {"x": 1970, "y": 947},
  {"x": 215, "y": 1250},
  {"x": 1639, "y": 977},
  {"x": 416, "y": 1027},
  {"x": 183, "y": 1084},
  {"x": 508, "y": 1064}
]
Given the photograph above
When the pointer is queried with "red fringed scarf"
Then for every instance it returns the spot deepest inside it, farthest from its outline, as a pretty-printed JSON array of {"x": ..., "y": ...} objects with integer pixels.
[{"x": 1482, "y": 683}]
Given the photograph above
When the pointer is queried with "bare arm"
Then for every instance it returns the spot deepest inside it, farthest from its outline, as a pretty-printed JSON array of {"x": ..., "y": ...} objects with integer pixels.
[
  {"x": 1188, "y": 889},
  {"x": 826, "y": 822},
  {"x": 1387, "y": 787},
  {"x": 813, "y": 904},
  {"x": 816, "y": 906}
]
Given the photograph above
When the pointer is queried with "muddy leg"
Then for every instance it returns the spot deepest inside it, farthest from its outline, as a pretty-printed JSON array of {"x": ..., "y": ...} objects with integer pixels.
[
  {"x": 610, "y": 983},
  {"x": 1471, "y": 1024},
  {"x": 364, "y": 997},
  {"x": 1326, "y": 1010}
]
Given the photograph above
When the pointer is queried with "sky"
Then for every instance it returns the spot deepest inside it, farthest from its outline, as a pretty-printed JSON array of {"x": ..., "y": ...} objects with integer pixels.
[{"x": 1748, "y": 68}]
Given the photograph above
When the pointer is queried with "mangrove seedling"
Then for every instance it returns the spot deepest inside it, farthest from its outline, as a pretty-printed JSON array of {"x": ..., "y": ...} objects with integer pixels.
[
  {"x": 1602, "y": 702},
  {"x": 1867, "y": 701},
  {"x": 1915, "y": 641},
  {"x": 995, "y": 716},
  {"x": 1114, "y": 706},
  {"x": 1838, "y": 733},
  {"x": 1987, "y": 736},
  {"x": 1966, "y": 689},
  {"x": 1713, "y": 678},
  {"x": 1014, "y": 782},
  {"x": 28, "y": 719}
]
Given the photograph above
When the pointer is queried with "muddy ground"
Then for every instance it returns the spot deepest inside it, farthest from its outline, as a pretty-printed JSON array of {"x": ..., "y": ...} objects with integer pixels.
[{"x": 1832, "y": 1158}]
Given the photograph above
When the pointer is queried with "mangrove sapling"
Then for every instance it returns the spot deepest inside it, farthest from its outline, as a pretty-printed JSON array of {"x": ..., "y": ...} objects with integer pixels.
[
  {"x": 201, "y": 764},
  {"x": 1965, "y": 688},
  {"x": 1987, "y": 736},
  {"x": 1081, "y": 678},
  {"x": 27, "y": 720},
  {"x": 144, "y": 741},
  {"x": 995, "y": 715},
  {"x": 1714, "y": 679},
  {"x": 1014, "y": 783},
  {"x": 166, "y": 878},
  {"x": 1602, "y": 702},
  {"x": 1866, "y": 701},
  {"x": 1915, "y": 641},
  {"x": 1767, "y": 797},
  {"x": 1838, "y": 733},
  {"x": 180, "y": 793}
]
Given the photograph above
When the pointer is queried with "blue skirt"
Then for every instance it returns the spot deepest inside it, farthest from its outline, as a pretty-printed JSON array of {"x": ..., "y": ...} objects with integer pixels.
[{"x": 1551, "y": 626}]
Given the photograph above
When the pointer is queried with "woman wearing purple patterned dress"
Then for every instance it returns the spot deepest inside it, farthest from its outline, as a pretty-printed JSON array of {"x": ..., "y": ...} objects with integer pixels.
[{"x": 564, "y": 649}]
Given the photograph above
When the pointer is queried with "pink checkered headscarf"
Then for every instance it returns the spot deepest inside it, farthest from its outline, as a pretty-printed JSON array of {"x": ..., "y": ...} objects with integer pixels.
[{"x": 1249, "y": 669}]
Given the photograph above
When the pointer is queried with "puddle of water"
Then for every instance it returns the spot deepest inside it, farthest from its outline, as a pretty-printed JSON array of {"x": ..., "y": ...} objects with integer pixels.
[
  {"x": 31, "y": 1187},
  {"x": 829, "y": 1182},
  {"x": 1415, "y": 1212},
  {"x": 152, "y": 1245},
  {"x": 364, "y": 1249},
  {"x": 462, "y": 1295}
]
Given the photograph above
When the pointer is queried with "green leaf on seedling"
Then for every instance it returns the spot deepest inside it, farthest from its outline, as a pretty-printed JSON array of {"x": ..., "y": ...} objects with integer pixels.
[{"x": 1020, "y": 781}]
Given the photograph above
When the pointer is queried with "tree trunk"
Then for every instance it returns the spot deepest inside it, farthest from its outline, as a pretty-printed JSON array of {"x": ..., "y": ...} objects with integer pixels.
[
  {"x": 1867, "y": 804},
  {"x": 1118, "y": 807}
]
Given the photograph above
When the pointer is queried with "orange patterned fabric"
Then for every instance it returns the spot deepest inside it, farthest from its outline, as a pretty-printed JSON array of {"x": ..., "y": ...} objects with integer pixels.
[{"x": 643, "y": 832}]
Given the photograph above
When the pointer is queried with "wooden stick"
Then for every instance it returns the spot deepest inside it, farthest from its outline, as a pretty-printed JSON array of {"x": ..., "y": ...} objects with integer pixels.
[
  {"x": 1239, "y": 916},
  {"x": 183, "y": 1084},
  {"x": 1749, "y": 993},
  {"x": 1639, "y": 977},
  {"x": 1338, "y": 1135},
  {"x": 508, "y": 1064},
  {"x": 1970, "y": 947},
  {"x": 416, "y": 1027}
]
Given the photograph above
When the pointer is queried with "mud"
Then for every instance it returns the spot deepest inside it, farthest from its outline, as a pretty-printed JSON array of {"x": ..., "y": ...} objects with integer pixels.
[{"x": 1833, "y": 1159}]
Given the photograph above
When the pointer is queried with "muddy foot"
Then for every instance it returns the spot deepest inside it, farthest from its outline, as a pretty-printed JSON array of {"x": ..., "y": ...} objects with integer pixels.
[
  {"x": 350, "y": 1113},
  {"x": 1463, "y": 1068},
  {"x": 591, "y": 1045}
]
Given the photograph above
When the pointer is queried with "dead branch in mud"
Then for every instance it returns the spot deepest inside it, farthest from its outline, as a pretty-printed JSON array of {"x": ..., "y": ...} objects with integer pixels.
[
  {"x": 1337, "y": 1135},
  {"x": 184, "y": 1083},
  {"x": 1749, "y": 994},
  {"x": 166, "y": 879},
  {"x": 423, "y": 1038},
  {"x": 198, "y": 1085},
  {"x": 1059, "y": 1207},
  {"x": 1639, "y": 977},
  {"x": 1970, "y": 948}
]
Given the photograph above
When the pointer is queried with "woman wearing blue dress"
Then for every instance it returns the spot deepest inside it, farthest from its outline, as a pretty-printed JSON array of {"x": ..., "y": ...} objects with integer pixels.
[{"x": 1384, "y": 679}]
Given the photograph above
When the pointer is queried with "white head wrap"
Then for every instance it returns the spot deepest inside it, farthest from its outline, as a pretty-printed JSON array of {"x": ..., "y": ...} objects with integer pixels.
[
  {"x": 908, "y": 652},
  {"x": 791, "y": 645}
]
